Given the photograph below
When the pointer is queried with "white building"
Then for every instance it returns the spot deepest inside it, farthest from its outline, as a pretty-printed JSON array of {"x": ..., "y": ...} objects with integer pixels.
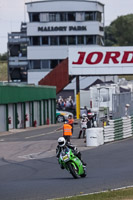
[{"x": 54, "y": 25}]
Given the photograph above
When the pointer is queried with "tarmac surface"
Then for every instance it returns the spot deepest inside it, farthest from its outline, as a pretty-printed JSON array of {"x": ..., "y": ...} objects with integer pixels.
[{"x": 36, "y": 142}]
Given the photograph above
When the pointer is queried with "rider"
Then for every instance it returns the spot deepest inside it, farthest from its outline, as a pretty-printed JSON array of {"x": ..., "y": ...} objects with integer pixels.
[
  {"x": 83, "y": 124},
  {"x": 62, "y": 143}
]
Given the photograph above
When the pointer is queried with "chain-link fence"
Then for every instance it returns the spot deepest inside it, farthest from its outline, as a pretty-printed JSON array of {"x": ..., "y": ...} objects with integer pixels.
[{"x": 119, "y": 102}]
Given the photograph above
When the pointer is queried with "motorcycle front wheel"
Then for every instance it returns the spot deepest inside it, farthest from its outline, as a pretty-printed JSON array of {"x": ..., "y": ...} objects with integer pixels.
[
  {"x": 83, "y": 175},
  {"x": 73, "y": 171}
]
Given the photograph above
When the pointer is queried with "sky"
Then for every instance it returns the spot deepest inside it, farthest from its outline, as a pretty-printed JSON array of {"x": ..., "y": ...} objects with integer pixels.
[{"x": 13, "y": 12}]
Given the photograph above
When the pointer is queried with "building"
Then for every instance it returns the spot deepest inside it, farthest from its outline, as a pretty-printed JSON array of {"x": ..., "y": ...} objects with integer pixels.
[
  {"x": 17, "y": 55},
  {"x": 54, "y": 25},
  {"x": 26, "y": 106}
]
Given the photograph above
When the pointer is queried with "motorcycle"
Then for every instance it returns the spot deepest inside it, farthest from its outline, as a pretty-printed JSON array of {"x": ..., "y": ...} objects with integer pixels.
[{"x": 72, "y": 163}]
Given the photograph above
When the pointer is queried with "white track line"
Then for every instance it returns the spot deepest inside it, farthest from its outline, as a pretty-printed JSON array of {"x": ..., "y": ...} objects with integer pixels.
[{"x": 110, "y": 190}]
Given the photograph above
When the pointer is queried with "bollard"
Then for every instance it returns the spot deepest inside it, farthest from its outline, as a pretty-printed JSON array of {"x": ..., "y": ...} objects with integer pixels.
[
  {"x": 35, "y": 123},
  {"x": 47, "y": 122}
]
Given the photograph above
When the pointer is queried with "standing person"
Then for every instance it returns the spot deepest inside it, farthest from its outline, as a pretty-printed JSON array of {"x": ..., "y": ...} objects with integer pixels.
[
  {"x": 90, "y": 117},
  {"x": 67, "y": 131},
  {"x": 83, "y": 125},
  {"x": 126, "y": 109},
  {"x": 71, "y": 121}
]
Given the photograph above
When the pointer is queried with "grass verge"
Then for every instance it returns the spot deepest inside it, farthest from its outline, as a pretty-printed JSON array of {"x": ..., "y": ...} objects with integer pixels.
[
  {"x": 123, "y": 194},
  {"x": 3, "y": 71}
]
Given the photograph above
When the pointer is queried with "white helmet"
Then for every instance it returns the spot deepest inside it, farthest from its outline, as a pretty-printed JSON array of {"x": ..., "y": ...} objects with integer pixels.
[
  {"x": 84, "y": 115},
  {"x": 61, "y": 141}
]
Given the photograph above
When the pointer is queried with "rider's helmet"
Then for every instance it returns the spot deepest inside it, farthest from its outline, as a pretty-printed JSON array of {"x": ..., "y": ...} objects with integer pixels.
[
  {"x": 61, "y": 141},
  {"x": 84, "y": 115}
]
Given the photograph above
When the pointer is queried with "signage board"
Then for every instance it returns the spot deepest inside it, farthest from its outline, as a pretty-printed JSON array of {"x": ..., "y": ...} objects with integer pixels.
[{"x": 95, "y": 60}]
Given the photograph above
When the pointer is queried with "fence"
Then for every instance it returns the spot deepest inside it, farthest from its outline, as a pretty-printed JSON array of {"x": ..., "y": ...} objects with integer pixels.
[{"x": 118, "y": 104}]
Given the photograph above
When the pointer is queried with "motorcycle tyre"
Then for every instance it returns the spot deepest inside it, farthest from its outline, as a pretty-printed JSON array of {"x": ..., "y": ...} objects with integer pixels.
[
  {"x": 72, "y": 171},
  {"x": 83, "y": 175}
]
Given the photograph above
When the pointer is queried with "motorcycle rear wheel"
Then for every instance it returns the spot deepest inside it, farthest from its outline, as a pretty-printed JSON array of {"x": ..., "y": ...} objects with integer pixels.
[{"x": 73, "y": 171}]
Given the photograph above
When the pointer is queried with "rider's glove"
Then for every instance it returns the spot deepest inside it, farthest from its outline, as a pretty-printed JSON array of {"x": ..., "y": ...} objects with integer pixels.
[{"x": 75, "y": 149}]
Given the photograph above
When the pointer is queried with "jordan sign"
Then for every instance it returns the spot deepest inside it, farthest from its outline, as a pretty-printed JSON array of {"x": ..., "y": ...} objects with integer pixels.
[{"x": 96, "y": 60}]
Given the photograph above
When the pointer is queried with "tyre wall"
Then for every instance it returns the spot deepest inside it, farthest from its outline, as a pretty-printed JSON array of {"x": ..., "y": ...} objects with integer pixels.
[{"x": 118, "y": 129}]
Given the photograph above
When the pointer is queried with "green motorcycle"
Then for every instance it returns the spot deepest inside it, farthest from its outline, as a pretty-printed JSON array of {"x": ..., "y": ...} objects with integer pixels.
[{"x": 71, "y": 163}]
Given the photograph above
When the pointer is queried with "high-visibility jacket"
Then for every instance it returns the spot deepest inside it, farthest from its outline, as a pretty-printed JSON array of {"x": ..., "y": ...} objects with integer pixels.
[
  {"x": 71, "y": 121},
  {"x": 67, "y": 130}
]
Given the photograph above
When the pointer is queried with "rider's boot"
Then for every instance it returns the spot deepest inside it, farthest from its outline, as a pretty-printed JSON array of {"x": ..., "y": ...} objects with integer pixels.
[{"x": 84, "y": 164}]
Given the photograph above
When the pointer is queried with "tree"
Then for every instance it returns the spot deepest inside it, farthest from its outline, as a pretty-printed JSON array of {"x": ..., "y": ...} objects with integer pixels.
[
  {"x": 120, "y": 32},
  {"x": 3, "y": 57}
]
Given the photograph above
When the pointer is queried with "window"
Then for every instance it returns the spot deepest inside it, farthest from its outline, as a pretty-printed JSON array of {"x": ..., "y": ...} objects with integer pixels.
[
  {"x": 53, "y": 63},
  {"x": 80, "y": 39},
  {"x": 14, "y": 50},
  {"x": 30, "y": 17},
  {"x": 71, "y": 16},
  {"x": 44, "y": 17},
  {"x": 71, "y": 40},
  {"x": 89, "y": 39},
  {"x": 101, "y": 28},
  {"x": 63, "y": 17},
  {"x": 23, "y": 49},
  {"x": 79, "y": 16},
  {"x": 63, "y": 40},
  {"x": 52, "y": 17},
  {"x": 89, "y": 16},
  {"x": 44, "y": 40},
  {"x": 30, "y": 41},
  {"x": 99, "y": 16},
  {"x": 45, "y": 64},
  {"x": 36, "y": 64},
  {"x": 35, "y": 17},
  {"x": 36, "y": 40},
  {"x": 53, "y": 40},
  {"x": 99, "y": 40}
]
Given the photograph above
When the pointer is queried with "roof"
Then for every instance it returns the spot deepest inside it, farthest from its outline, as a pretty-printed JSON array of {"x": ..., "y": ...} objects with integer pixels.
[
  {"x": 64, "y": 0},
  {"x": 98, "y": 81},
  {"x": 21, "y": 93}
]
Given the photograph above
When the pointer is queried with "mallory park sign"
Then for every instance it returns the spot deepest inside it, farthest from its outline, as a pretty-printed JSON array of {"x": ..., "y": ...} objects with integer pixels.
[
  {"x": 62, "y": 28},
  {"x": 97, "y": 60}
]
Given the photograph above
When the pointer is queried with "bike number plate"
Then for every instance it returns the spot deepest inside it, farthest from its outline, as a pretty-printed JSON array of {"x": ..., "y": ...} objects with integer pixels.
[{"x": 65, "y": 157}]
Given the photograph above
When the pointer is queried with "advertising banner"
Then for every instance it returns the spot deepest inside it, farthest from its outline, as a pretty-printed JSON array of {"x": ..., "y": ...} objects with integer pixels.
[{"x": 95, "y": 60}]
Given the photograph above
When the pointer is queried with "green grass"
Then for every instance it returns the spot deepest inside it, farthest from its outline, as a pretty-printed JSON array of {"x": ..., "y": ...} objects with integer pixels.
[
  {"x": 3, "y": 71},
  {"x": 123, "y": 194}
]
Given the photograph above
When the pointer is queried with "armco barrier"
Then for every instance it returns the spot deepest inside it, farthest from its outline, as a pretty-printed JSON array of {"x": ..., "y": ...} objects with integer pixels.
[{"x": 118, "y": 129}]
